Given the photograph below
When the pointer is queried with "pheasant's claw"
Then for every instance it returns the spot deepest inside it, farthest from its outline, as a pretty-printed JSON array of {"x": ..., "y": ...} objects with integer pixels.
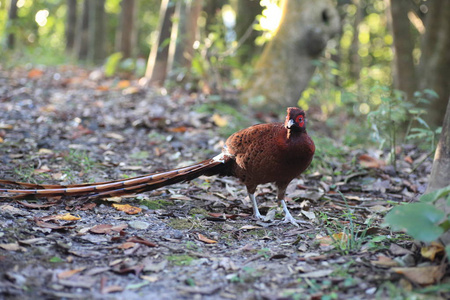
[{"x": 290, "y": 219}]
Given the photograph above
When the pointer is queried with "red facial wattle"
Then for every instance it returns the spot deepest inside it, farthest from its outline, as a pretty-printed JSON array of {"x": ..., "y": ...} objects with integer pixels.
[{"x": 300, "y": 121}]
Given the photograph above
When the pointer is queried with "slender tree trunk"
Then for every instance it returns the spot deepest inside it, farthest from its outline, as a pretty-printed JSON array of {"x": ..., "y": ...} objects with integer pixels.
[
  {"x": 435, "y": 59},
  {"x": 96, "y": 31},
  {"x": 440, "y": 172},
  {"x": 12, "y": 16},
  {"x": 193, "y": 32},
  {"x": 157, "y": 62},
  {"x": 126, "y": 37},
  {"x": 71, "y": 24},
  {"x": 175, "y": 59},
  {"x": 286, "y": 65},
  {"x": 184, "y": 34},
  {"x": 355, "y": 59},
  {"x": 81, "y": 46},
  {"x": 405, "y": 79}
]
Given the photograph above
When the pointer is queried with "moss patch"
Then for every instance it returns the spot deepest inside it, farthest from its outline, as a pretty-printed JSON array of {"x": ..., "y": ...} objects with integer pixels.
[
  {"x": 155, "y": 204},
  {"x": 198, "y": 212},
  {"x": 180, "y": 260},
  {"x": 180, "y": 224}
]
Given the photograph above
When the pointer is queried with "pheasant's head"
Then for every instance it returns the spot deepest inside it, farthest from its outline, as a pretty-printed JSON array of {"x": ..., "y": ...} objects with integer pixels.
[{"x": 295, "y": 120}]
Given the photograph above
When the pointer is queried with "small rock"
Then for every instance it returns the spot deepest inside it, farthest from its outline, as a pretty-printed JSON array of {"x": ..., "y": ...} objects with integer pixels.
[{"x": 139, "y": 225}]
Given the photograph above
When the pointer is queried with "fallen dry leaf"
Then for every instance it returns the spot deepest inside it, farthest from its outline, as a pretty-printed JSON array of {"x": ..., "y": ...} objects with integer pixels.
[
  {"x": 115, "y": 136},
  {"x": 68, "y": 217},
  {"x": 131, "y": 90},
  {"x": 150, "y": 278},
  {"x": 35, "y": 73},
  {"x": 178, "y": 129},
  {"x": 102, "y": 88},
  {"x": 43, "y": 224},
  {"x": 112, "y": 289},
  {"x": 88, "y": 206},
  {"x": 10, "y": 246},
  {"x": 32, "y": 205},
  {"x": 12, "y": 210},
  {"x": 137, "y": 239},
  {"x": 408, "y": 159},
  {"x": 384, "y": 261},
  {"x": 44, "y": 169},
  {"x": 248, "y": 227},
  {"x": 101, "y": 228},
  {"x": 127, "y": 208},
  {"x": 6, "y": 126},
  {"x": 370, "y": 162},
  {"x": 33, "y": 241},
  {"x": 422, "y": 275},
  {"x": 204, "y": 239},
  {"x": 219, "y": 121},
  {"x": 123, "y": 84},
  {"x": 431, "y": 251},
  {"x": 69, "y": 273},
  {"x": 45, "y": 151},
  {"x": 340, "y": 237},
  {"x": 317, "y": 274},
  {"x": 126, "y": 245},
  {"x": 120, "y": 227}
]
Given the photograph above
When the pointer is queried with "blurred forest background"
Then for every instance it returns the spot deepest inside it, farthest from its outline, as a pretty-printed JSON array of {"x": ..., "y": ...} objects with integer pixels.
[
  {"x": 373, "y": 76},
  {"x": 385, "y": 60}
]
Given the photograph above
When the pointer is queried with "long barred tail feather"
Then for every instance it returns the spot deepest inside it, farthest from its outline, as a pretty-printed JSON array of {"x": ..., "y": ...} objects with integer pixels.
[{"x": 133, "y": 185}]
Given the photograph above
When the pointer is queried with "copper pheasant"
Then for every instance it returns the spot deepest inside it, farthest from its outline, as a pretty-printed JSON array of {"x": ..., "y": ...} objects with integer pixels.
[{"x": 274, "y": 152}]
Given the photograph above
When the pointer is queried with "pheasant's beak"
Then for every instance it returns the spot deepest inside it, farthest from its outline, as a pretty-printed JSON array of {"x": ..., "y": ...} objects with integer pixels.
[{"x": 290, "y": 123}]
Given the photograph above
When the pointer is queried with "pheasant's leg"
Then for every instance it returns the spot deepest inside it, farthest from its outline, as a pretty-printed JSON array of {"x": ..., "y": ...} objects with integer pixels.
[
  {"x": 288, "y": 218},
  {"x": 256, "y": 213}
]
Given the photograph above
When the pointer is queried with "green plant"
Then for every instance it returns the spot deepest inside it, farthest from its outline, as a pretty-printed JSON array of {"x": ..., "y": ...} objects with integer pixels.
[
  {"x": 422, "y": 220},
  {"x": 25, "y": 173},
  {"x": 347, "y": 237},
  {"x": 388, "y": 118},
  {"x": 81, "y": 160},
  {"x": 155, "y": 204},
  {"x": 180, "y": 260},
  {"x": 246, "y": 274},
  {"x": 424, "y": 133},
  {"x": 264, "y": 252},
  {"x": 233, "y": 119},
  {"x": 112, "y": 62}
]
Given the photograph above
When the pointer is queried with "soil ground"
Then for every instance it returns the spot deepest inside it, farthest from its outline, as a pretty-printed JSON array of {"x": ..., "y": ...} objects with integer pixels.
[{"x": 193, "y": 240}]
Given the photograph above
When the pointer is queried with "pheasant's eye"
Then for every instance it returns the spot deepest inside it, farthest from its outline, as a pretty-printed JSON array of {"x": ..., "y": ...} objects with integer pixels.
[{"x": 300, "y": 121}]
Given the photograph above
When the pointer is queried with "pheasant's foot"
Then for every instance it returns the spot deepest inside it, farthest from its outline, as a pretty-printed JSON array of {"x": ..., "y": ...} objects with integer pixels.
[{"x": 290, "y": 219}]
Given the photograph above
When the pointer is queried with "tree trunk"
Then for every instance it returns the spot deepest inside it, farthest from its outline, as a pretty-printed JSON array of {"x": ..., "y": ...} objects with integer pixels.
[
  {"x": 440, "y": 173},
  {"x": 12, "y": 16},
  {"x": 245, "y": 18},
  {"x": 435, "y": 60},
  {"x": 96, "y": 31},
  {"x": 81, "y": 47},
  {"x": 184, "y": 34},
  {"x": 193, "y": 32},
  {"x": 286, "y": 65},
  {"x": 126, "y": 34},
  {"x": 157, "y": 61},
  {"x": 354, "y": 58},
  {"x": 404, "y": 79},
  {"x": 71, "y": 24}
]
